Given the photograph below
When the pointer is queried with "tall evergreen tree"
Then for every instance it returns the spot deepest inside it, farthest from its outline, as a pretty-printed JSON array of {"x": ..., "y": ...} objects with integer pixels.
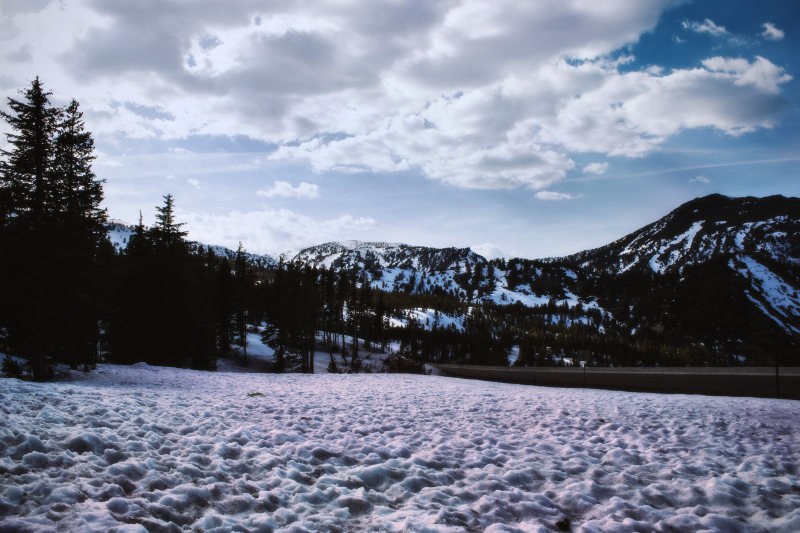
[
  {"x": 79, "y": 191},
  {"x": 80, "y": 226},
  {"x": 139, "y": 240},
  {"x": 224, "y": 306},
  {"x": 52, "y": 224},
  {"x": 241, "y": 293},
  {"x": 26, "y": 167},
  {"x": 167, "y": 233},
  {"x": 164, "y": 299}
]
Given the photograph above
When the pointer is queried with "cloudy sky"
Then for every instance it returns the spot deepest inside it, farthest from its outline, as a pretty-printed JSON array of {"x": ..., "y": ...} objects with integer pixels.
[{"x": 517, "y": 128}]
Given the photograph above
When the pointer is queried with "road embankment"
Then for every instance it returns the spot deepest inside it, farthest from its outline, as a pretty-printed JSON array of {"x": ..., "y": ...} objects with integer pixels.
[{"x": 738, "y": 381}]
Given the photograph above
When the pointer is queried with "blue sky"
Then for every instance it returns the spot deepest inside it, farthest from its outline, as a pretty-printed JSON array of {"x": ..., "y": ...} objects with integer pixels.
[{"x": 517, "y": 128}]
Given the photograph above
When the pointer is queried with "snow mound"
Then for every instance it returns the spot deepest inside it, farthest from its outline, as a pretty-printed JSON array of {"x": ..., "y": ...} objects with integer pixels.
[{"x": 129, "y": 450}]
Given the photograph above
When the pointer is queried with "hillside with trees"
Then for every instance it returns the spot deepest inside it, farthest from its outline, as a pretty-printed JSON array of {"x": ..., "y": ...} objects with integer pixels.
[{"x": 715, "y": 283}]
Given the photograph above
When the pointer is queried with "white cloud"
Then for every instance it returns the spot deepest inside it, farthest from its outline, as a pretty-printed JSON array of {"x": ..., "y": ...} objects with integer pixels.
[
  {"x": 595, "y": 168},
  {"x": 761, "y": 73},
  {"x": 284, "y": 189},
  {"x": 521, "y": 130},
  {"x": 193, "y": 182},
  {"x": 272, "y": 230},
  {"x": 700, "y": 179},
  {"x": 771, "y": 32},
  {"x": 551, "y": 195},
  {"x": 707, "y": 26},
  {"x": 475, "y": 94}
]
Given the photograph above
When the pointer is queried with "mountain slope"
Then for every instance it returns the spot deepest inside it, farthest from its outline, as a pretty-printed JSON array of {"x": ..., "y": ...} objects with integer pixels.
[
  {"x": 391, "y": 266},
  {"x": 702, "y": 229},
  {"x": 753, "y": 244},
  {"x": 716, "y": 271},
  {"x": 381, "y": 255}
]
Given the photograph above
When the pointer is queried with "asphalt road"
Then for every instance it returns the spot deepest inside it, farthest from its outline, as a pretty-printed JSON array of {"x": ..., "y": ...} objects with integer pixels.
[{"x": 754, "y": 381}]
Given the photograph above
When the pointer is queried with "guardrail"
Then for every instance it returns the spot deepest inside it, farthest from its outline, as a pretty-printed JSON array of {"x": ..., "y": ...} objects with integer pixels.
[{"x": 769, "y": 382}]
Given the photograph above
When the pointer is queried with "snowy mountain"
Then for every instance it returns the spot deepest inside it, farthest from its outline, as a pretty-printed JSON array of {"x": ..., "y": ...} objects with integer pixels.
[
  {"x": 119, "y": 234},
  {"x": 715, "y": 271},
  {"x": 457, "y": 271},
  {"x": 718, "y": 270},
  {"x": 749, "y": 246},
  {"x": 375, "y": 255},
  {"x": 392, "y": 266},
  {"x": 702, "y": 229}
]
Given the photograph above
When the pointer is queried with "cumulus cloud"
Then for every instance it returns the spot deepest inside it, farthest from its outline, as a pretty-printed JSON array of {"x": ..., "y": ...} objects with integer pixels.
[
  {"x": 551, "y": 195},
  {"x": 521, "y": 130},
  {"x": 595, "y": 168},
  {"x": 761, "y": 73},
  {"x": 272, "y": 230},
  {"x": 707, "y": 26},
  {"x": 479, "y": 42},
  {"x": 284, "y": 189},
  {"x": 475, "y": 94},
  {"x": 700, "y": 179},
  {"x": 771, "y": 32},
  {"x": 193, "y": 182}
]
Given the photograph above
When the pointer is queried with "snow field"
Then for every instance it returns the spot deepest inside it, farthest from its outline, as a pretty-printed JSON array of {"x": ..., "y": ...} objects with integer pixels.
[
  {"x": 781, "y": 296},
  {"x": 134, "y": 449}
]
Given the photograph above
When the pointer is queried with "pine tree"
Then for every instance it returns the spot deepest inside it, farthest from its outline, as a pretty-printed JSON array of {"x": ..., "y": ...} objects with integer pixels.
[
  {"x": 224, "y": 306},
  {"x": 27, "y": 166},
  {"x": 139, "y": 241},
  {"x": 79, "y": 223},
  {"x": 275, "y": 335},
  {"x": 171, "y": 332},
  {"x": 167, "y": 233},
  {"x": 242, "y": 282},
  {"x": 380, "y": 317},
  {"x": 78, "y": 191},
  {"x": 52, "y": 222},
  {"x": 165, "y": 298}
]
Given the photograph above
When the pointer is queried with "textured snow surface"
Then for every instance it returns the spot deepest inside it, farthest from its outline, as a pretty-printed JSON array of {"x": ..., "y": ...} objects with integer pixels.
[
  {"x": 659, "y": 264},
  {"x": 134, "y": 449},
  {"x": 778, "y": 293}
]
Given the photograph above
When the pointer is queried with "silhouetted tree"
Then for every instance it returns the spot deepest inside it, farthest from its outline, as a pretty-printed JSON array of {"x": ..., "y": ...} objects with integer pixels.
[{"x": 52, "y": 224}]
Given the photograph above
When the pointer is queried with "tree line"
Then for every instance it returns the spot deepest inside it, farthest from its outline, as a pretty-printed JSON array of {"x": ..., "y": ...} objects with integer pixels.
[{"x": 70, "y": 298}]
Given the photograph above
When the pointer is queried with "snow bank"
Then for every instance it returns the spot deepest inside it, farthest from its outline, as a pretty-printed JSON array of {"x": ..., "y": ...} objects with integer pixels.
[{"x": 130, "y": 450}]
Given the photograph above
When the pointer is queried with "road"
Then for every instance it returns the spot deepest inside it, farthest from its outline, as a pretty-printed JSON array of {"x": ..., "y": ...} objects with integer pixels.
[{"x": 752, "y": 381}]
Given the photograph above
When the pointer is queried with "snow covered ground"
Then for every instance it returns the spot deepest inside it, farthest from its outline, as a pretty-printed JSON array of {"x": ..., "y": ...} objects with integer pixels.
[
  {"x": 260, "y": 357},
  {"x": 134, "y": 449}
]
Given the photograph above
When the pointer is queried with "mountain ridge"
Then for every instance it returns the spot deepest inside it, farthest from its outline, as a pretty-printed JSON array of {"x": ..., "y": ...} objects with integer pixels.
[
  {"x": 716, "y": 255},
  {"x": 753, "y": 210},
  {"x": 716, "y": 270}
]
